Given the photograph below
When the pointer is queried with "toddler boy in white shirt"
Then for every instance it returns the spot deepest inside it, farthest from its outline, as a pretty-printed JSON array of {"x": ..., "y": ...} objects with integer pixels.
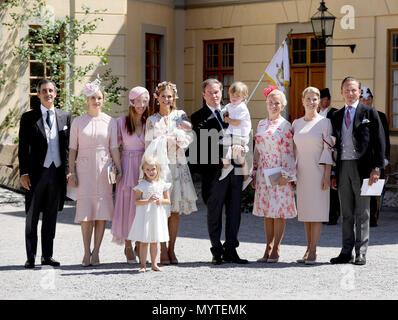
[{"x": 238, "y": 117}]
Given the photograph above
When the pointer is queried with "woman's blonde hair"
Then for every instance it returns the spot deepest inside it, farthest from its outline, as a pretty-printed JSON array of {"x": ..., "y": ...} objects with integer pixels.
[
  {"x": 151, "y": 161},
  {"x": 239, "y": 88},
  {"x": 313, "y": 90},
  {"x": 277, "y": 92}
]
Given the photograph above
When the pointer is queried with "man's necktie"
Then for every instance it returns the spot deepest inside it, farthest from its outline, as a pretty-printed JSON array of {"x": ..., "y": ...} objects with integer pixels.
[
  {"x": 218, "y": 116},
  {"x": 347, "y": 119},
  {"x": 48, "y": 120}
]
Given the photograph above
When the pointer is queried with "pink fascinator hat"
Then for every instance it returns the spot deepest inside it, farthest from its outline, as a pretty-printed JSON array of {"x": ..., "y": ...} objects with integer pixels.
[
  {"x": 92, "y": 87},
  {"x": 268, "y": 90},
  {"x": 136, "y": 92}
]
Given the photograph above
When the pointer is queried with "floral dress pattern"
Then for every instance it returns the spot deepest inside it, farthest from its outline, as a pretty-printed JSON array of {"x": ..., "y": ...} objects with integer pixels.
[
  {"x": 274, "y": 148},
  {"x": 182, "y": 194}
]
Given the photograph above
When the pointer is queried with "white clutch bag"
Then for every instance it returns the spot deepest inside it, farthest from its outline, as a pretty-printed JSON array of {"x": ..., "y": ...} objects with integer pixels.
[
  {"x": 112, "y": 173},
  {"x": 71, "y": 192}
]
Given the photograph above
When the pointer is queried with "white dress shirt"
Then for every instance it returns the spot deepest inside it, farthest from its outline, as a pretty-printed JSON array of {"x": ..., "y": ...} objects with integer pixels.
[
  {"x": 352, "y": 111},
  {"x": 213, "y": 110}
]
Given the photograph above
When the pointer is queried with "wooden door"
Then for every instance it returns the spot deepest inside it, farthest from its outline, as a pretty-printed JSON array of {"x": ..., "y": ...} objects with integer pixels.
[
  {"x": 299, "y": 80},
  {"x": 317, "y": 77},
  {"x": 308, "y": 68}
]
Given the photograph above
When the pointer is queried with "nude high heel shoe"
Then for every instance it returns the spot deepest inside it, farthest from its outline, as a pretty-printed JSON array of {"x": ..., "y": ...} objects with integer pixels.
[
  {"x": 130, "y": 261},
  {"x": 309, "y": 260}
]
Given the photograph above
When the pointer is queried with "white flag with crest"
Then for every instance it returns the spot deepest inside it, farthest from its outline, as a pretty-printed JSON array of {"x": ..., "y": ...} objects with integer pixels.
[{"x": 278, "y": 69}]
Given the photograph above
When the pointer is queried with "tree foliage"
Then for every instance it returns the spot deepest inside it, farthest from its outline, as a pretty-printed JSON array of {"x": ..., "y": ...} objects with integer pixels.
[{"x": 60, "y": 41}]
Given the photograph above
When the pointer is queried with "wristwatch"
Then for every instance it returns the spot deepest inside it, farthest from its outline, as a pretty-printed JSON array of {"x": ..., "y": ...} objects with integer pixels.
[{"x": 377, "y": 169}]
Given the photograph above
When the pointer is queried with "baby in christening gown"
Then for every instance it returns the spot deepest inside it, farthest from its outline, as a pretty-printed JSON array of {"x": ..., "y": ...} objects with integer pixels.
[{"x": 180, "y": 135}]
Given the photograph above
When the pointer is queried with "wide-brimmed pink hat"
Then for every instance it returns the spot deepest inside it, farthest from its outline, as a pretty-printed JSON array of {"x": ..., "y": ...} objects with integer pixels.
[{"x": 137, "y": 91}]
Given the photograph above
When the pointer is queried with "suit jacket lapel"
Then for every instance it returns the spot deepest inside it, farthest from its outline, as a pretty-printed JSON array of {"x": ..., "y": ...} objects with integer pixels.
[
  {"x": 60, "y": 120},
  {"x": 339, "y": 121},
  {"x": 207, "y": 113},
  {"x": 40, "y": 123},
  {"x": 358, "y": 116}
]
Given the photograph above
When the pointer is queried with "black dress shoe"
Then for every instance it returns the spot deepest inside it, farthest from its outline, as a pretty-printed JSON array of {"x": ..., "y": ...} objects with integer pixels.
[
  {"x": 372, "y": 223},
  {"x": 360, "y": 259},
  {"x": 49, "y": 262},
  {"x": 342, "y": 258},
  {"x": 30, "y": 264},
  {"x": 234, "y": 258},
  {"x": 216, "y": 260}
]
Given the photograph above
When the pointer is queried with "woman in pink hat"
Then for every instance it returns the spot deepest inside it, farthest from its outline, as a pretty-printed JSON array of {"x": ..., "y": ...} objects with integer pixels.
[
  {"x": 131, "y": 135},
  {"x": 92, "y": 149}
]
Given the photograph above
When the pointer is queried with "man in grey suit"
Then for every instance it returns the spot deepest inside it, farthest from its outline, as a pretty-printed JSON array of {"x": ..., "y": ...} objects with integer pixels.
[
  {"x": 360, "y": 145},
  {"x": 43, "y": 164}
]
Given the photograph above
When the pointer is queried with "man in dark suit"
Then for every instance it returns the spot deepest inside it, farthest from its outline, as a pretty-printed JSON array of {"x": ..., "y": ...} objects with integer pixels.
[
  {"x": 360, "y": 145},
  {"x": 43, "y": 164},
  {"x": 208, "y": 125},
  {"x": 367, "y": 99},
  {"x": 326, "y": 110}
]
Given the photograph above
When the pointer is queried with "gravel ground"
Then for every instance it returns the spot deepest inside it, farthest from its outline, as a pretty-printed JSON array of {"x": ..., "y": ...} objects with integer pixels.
[{"x": 195, "y": 277}]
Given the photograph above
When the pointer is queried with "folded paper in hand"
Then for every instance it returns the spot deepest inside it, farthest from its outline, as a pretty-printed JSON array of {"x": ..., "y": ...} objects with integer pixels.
[
  {"x": 112, "y": 173},
  {"x": 374, "y": 190},
  {"x": 272, "y": 176}
]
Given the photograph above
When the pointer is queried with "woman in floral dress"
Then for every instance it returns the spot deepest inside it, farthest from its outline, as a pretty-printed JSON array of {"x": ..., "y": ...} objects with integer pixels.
[
  {"x": 169, "y": 122},
  {"x": 273, "y": 149}
]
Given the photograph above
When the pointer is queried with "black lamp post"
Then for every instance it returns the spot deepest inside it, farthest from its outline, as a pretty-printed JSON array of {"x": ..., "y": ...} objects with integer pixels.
[{"x": 323, "y": 24}]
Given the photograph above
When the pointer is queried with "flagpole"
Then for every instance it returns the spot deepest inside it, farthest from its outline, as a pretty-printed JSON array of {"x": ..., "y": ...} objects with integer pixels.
[
  {"x": 262, "y": 77},
  {"x": 258, "y": 83}
]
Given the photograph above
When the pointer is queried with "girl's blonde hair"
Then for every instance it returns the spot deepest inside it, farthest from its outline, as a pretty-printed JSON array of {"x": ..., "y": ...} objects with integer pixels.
[
  {"x": 151, "y": 161},
  {"x": 239, "y": 88}
]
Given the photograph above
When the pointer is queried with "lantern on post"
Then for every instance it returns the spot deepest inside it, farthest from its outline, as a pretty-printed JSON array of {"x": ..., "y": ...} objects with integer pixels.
[{"x": 323, "y": 25}]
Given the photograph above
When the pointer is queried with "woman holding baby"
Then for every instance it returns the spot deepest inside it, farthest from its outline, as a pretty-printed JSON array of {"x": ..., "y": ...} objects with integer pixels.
[{"x": 169, "y": 122}]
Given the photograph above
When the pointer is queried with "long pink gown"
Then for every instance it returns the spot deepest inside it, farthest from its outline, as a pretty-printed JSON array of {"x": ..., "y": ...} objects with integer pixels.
[
  {"x": 274, "y": 144},
  {"x": 133, "y": 149},
  {"x": 93, "y": 138}
]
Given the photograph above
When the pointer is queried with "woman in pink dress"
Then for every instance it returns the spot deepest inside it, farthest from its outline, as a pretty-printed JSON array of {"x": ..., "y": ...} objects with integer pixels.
[
  {"x": 131, "y": 135},
  {"x": 273, "y": 149},
  {"x": 312, "y": 141},
  {"x": 92, "y": 147}
]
